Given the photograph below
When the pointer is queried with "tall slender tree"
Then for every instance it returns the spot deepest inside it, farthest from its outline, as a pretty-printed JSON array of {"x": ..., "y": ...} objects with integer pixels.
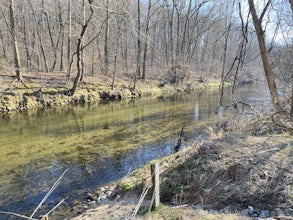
[
  {"x": 138, "y": 50},
  {"x": 69, "y": 9},
  {"x": 107, "y": 28},
  {"x": 291, "y": 113},
  {"x": 14, "y": 39}
]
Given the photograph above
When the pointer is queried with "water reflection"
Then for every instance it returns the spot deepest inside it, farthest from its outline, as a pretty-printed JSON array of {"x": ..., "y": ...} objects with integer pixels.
[{"x": 98, "y": 143}]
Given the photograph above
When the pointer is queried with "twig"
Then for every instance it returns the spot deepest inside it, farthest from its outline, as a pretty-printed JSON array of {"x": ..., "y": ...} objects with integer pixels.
[
  {"x": 143, "y": 195},
  {"x": 55, "y": 207},
  {"x": 152, "y": 201},
  {"x": 48, "y": 193},
  {"x": 180, "y": 206},
  {"x": 273, "y": 149},
  {"x": 18, "y": 215}
]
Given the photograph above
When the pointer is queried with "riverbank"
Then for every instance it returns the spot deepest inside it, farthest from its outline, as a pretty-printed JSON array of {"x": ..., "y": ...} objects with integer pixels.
[
  {"x": 49, "y": 90},
  {"x": 240, "y": 170}
]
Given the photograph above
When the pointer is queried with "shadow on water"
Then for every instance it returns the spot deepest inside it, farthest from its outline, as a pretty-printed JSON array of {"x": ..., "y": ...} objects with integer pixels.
[{"x": 98, "y": 144}]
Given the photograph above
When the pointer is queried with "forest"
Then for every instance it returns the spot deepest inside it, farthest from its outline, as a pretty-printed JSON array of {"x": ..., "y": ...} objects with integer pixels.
[
  {"x": 166, "y": 39},
  {"x": 208, "y": 65}
]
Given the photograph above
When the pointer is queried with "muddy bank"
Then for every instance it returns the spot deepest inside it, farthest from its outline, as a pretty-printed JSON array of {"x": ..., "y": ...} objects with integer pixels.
[{"x": 29, "y": 95}]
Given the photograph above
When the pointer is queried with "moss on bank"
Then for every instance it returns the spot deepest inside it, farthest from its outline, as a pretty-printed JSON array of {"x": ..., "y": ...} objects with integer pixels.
[{"x": 32, "y": 95}]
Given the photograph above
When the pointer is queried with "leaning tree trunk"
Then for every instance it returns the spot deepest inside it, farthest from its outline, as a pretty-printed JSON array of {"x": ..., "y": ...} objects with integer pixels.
[
  {"x": 14, "y": 39},
  {"x": 264, "y": 52}
]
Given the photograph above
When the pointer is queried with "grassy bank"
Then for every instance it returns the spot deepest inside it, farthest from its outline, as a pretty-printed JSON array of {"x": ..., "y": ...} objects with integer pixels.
[
  {"x": 51, "y": 90},
  {"x": 239, "y": 173}
]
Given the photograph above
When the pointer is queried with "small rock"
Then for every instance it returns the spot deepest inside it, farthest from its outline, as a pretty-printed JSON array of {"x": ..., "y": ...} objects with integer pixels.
[
  {"x": 280, "y": 211},
  {"x": 117, "y": 197},
  {"x": 90, "y": 197},
  {"x": 221, "y": 211},
  {"x": 288, "y": 211},
  {"x": 257, "y": 211},
  {"x": 102, "y": 189},
  {"x": 245, "y": 212},
  {"x": 274, "y": 213},
  {"x": 251, "y": 209},
  {"x": 227, "y": 209},
  {"x": 211, "y": 211},
  {"x": 76, "y": 202},
  {"x": 198, "y": 206},
  {"x": 102, "y": 197},
  {"x": 92, "y": 202},
  {"x": 108, "y": 193},
  {"x": 264, "y": 213}
]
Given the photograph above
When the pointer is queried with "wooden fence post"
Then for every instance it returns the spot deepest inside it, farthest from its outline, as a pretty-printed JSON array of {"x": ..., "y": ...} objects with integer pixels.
[{"x": 155, "y": 172}]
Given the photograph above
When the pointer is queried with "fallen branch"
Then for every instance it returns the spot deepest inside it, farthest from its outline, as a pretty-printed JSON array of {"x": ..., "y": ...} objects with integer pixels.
[
  {"x": 55, "y": 207},
  {"x": 280, "y": 124},
  {"x": 49, "y": 193},
  {"x": 142, "y": 196}
]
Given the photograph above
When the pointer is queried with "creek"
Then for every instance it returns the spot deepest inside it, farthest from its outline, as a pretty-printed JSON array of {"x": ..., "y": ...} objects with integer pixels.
[{"x": 97, "y": 143}]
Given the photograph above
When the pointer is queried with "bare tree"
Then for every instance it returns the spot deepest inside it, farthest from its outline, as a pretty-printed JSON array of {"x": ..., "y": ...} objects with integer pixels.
[
  {"x": 291, "y": 113},
  {"x": 106, "y": 50},
  {"x": 14, "y": 39},
  {"x": 69, "y": 8},
  {"x": 147, "y": 28},
  {"x": 257, "y": 21},
  {"x": 79, "y": 49},
  {"x": 138, "y": 50}
]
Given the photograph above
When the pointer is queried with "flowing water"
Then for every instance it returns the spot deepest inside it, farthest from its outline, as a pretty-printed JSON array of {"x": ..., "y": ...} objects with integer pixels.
[{"x": 96, "y": 143}]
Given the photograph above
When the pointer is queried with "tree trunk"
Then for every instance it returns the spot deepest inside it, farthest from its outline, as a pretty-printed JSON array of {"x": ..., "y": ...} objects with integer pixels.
[
  {"x": 39, "y": 37},
  {"x": 14, "y": 39},
  {"x": 138, "y": 52},
  {"x": 79, "y": 49},
  {"x": 106, "y": 52},
  {"x": 291, "y": 114},
  {"x": 62, "y": 36},
  {"x": 115, "y": 60},
  {"x": 264, "y": 53},
  {"x": 26, "y": 46},
  {"x": 82, "y": 44},
  {"x": 69, "y": 37},
  {"x": 3, "y": 46},
  {"x": 54, "y": 48},
  {"x": 146, "y": 42}
]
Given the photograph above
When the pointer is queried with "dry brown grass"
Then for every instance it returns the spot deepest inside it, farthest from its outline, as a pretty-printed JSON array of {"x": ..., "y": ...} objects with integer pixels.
[{"x": 229, "y": 169}]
